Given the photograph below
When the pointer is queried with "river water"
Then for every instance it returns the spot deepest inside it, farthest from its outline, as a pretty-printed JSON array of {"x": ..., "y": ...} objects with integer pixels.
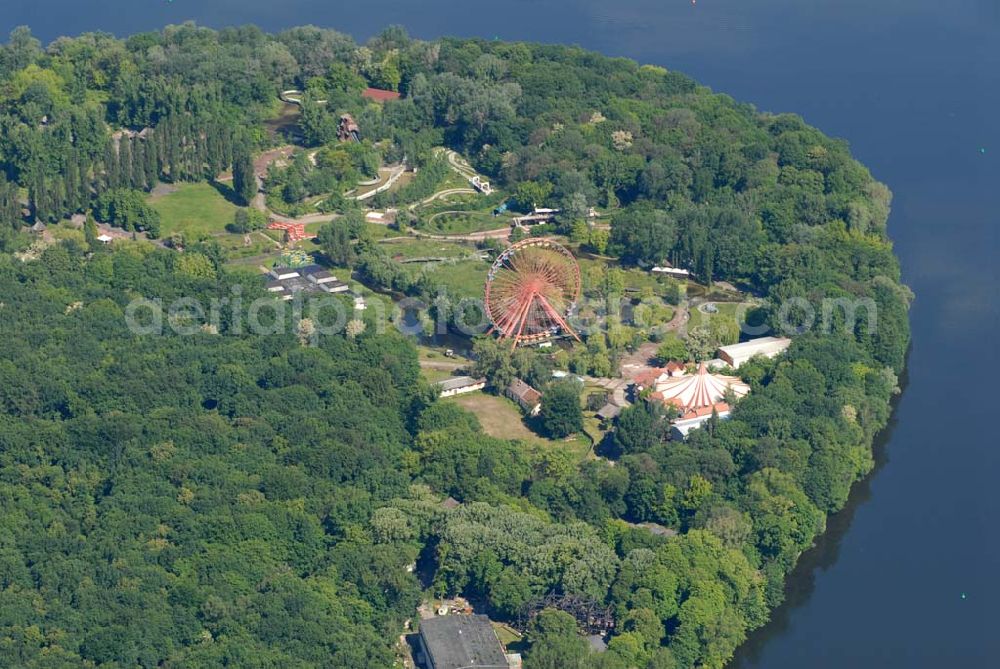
[{"x": 909, "y": 574}]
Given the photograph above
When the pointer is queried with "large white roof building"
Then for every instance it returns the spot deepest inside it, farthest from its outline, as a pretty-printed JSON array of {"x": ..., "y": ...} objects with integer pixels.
[
  {"x": 736, "y": 354},
  {"x": 693, "y": 393},
  {"x": 696, "y": 396}
]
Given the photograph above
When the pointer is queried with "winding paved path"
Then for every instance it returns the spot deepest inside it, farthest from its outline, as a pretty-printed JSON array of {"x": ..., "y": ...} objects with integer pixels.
[{"x": 443, "y": 193}]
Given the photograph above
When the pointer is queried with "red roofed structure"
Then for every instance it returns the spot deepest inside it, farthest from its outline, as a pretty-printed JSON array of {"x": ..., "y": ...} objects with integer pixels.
[
  {"x": 696, "y": 396},
  {"x": 294, "y": 232},
  {"x": 698, "y": 391},
  {"x": 379, "y": 94},
  {"x": 650, "y": 377}
]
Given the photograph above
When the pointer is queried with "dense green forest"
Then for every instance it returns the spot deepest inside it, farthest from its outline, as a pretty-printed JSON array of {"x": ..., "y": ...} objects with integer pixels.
[{"x": 231, "y": 499}]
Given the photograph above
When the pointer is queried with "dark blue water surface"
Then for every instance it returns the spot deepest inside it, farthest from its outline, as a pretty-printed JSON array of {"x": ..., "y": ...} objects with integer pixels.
[{"x": 909, "y": 574}]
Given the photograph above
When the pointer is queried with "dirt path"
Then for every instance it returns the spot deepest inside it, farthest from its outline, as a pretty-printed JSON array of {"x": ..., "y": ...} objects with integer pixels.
[
  {"x": 264, "y": 160},
  {"x": 681, "y": 317}
]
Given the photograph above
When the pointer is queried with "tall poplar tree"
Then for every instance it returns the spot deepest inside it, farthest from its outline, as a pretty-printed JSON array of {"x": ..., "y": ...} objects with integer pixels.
[{"x": 244, "y": 180}]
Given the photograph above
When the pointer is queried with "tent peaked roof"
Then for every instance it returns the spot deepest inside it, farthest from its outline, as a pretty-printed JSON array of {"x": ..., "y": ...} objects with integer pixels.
[{"x": 697, "y": 391}]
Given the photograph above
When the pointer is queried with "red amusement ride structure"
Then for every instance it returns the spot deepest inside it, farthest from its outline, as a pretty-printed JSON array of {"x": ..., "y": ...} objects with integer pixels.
[{"x": 531, "y": 289}]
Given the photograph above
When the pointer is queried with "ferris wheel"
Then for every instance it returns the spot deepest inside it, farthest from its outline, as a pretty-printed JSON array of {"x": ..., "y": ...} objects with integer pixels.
[{"x": 531, "y": 289}]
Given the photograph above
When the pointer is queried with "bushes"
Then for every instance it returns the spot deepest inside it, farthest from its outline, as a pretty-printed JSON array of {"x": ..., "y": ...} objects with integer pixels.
[{"x": 247, "y": 220}]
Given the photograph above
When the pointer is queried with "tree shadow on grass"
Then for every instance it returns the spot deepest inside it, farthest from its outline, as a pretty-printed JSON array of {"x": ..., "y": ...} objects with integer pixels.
[{"x": 226, "y": 191}]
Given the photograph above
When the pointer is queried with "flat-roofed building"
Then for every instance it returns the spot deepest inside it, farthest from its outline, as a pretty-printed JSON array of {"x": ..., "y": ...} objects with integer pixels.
[
  {"x": 736, "y": 354},
  {"x": 692, "y": 420},
  {"x": 283, "y": 273},
  {"x": 334, "y": 286},
  {"x": 461, "y": 642},
  {"x": 317, "y": 274},
  {"x": 460, "y": 384}
]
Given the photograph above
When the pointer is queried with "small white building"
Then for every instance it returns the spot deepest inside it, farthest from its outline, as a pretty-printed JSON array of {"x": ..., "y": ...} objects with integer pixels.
[
  {"x": 667, "y": 270},
  {"x": 459, "y": 385},
  {"x": 284, "y": 273},
  {"x": 681, "y": 427},
  {"x": 334, "y": 286},
  {"x": 736, "y": 354},
  {"x": 278, "y": 289},
  {"x": 527, "y": 397},
  {"x": 320, "y": 277},
  {"x": 104, "y": 239}
]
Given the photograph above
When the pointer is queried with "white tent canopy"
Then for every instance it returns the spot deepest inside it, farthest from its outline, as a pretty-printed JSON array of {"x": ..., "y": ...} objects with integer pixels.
[{"x": 698, "y": 391}]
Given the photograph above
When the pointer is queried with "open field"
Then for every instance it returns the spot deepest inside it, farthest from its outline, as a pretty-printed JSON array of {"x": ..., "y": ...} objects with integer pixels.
[
  {"x": 426, "y": 248},
  {"x": 378, "y": 231},
  {"x": 195, "y": 209},
  {"x": 462, "y": 278},
  {"x": 435, "y": 366},
  {"x": 236, "y": 247},
  {"x": 461, "y": 222},
  {"x": 433, "y": 375},
  {"x": 726, "y": 310},
  {"x": 501, "y": 418}
]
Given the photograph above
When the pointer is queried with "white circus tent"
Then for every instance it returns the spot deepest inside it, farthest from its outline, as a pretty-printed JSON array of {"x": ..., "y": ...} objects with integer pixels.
[{"x": 699, "y": 393}]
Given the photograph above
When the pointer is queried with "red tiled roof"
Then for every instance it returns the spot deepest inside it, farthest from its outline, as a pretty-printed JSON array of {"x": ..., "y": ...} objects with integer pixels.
[
  {"x": 379, "y": 95},
  {"x": 721, "y": 407},
  {"x": 524, "y": 392},
  {"x": 647, "y": 377}
]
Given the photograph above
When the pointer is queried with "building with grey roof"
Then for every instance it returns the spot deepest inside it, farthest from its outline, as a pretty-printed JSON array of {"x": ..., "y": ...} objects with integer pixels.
[
  {"x": 461, "y": 642},
  {"x": 460, "y": 384}
]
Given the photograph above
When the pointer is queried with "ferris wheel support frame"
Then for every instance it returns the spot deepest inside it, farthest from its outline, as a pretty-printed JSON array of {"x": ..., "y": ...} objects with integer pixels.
[{"x": 517, "y": 309}]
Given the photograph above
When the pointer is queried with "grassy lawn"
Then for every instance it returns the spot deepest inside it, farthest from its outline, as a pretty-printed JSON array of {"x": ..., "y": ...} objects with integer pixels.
[
  {"x": 464, "y": 278},
  {"x": 403, "y": 181},
  {"x": 427, "y": 248},
  {"x": 435, "y": 375},
  {"x": 195, "y": 209},
  {"x": 453, "y": 180},
  {"x": 436, "y": 354},
  {"x": 377, "y": 231},
  {"x": 501, "y": 418},
  {"x": 727, "y": 310},
  {"x": 236, "y": 247},
  {"x": 462, "y": 222},
  {"x": 507, "y": 634}
]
